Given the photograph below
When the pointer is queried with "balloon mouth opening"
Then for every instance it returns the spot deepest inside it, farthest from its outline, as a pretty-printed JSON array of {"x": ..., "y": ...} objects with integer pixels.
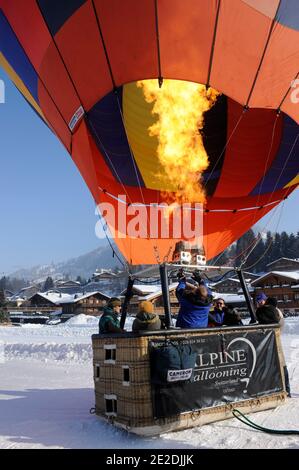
[
  {"x": 178, "y": 111},
  {"x": 162, "y": 129}
]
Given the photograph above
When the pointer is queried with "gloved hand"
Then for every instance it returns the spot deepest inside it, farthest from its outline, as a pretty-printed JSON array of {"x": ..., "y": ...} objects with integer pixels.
[
  {"x": 197, "y": 276},
  {"x": 180, "y": 275}
]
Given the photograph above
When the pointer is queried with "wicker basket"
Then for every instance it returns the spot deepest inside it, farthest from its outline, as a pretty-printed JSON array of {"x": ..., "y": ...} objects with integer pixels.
[{"x": 123, "y": 388}]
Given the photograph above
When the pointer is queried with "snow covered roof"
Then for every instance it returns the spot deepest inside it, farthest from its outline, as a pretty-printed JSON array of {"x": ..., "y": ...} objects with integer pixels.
[
  {"x": 293, "y": 275},
  {"x": 16, "y": 298},
  {"x": 89, "y": 294},
  {"x": 228, "y": 298},
  {"x": 62, "y": 283},
  {"x": 61, "y": 298},
  {"x": 104, "y": 273},
  {"x": 159, "y": 291},
  {"x": 24, "y": 289},
  {"x": 231, "y": 298},
  {"x": 144, "y": 289}
]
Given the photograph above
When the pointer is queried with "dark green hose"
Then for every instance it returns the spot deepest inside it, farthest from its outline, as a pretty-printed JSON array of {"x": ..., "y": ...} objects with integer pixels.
[{"x": 241, "y": 417}]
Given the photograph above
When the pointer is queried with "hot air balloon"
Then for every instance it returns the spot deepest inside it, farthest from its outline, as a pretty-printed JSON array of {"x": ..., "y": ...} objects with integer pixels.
[
  {"x": 78, "y": 64},
  {"x": 162, "y": 101}
]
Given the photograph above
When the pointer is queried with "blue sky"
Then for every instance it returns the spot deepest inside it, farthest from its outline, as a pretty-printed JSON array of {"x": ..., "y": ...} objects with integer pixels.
[{"x": 47, "y": 212}]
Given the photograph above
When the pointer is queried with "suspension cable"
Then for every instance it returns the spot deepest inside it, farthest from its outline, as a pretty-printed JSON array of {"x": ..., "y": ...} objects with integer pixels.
[
  {"x": 123, "y": 263},
  {"x": 265, "y": 167},
  {"x": 270, "y": 244}
]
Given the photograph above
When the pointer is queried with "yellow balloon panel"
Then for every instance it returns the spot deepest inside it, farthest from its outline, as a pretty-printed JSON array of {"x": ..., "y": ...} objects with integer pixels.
[{"x": 137, "y": 119}]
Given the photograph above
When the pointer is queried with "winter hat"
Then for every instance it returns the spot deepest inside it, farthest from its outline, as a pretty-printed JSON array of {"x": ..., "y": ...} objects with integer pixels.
[
  {"x": 261, "y": 297},
  {"x": 114, "y": 302},
  {"x": 146, "y": 307},
  {"x": 146, "y": 321}
]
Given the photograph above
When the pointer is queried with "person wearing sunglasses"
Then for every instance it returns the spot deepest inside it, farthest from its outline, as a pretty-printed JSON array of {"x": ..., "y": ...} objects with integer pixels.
[
  {"x": 222, "y": 315},
  {"x": 216, "y": 316}
]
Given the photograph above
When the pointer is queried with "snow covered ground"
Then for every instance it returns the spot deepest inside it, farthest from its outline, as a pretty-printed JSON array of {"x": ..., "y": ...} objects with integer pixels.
[{"x": 46, "y": 391}]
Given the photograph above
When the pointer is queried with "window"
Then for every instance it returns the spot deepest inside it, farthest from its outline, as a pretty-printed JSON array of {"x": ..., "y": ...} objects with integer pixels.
[
  {"x": 111, "y": 405},
  {"x": 97, "y": 372},
  {"x": 296, "y": 296},
  {"x": 126, "y": 375},
  {"x": 285, "y": 297},
  {"x": 110, "y": 353}
]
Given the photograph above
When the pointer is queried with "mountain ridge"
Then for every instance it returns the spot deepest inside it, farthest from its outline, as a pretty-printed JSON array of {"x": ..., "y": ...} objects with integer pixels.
[{"x": 84, "y": 265}]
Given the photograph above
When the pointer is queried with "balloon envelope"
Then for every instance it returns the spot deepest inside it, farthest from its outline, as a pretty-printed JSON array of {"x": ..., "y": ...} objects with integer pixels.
[{"x": 76, "y": 63}]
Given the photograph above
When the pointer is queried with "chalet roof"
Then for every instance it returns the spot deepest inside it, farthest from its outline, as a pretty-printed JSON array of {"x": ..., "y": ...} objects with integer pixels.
[
  {"x": 61, "y": 298},
  {"x": 228, "y": 298},
  {"x": 292, "y": 275},
  {"x": 144, "y": 289},
  {"x": 24, "y": 289},
  {"x": 231, "y": 298},
  {"x": 296, "y": 260},
  {"x": 247, "y": 280},
  {"x": 69, "y": 282},
  {"x": 25, "y": 293},
  {"x": 153, "y": 295},
  {"x": 105, "y": 274},
  {"x": 17, "y": 298},
  {"x": 108, "y": 273}
]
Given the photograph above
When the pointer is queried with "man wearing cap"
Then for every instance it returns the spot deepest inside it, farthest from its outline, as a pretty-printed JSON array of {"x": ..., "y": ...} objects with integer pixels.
[{"x": 109, "y": 321}]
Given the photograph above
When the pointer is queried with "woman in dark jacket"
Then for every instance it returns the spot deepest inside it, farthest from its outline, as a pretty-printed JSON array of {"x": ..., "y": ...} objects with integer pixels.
[{"x": 267, "y": 314}]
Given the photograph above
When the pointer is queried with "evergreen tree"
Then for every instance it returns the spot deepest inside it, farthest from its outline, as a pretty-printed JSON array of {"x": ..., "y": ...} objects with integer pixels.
[
  {"x": 266, "y": 250},
  {"x": 244, "y": 245},
  {"x": 291, "y": 246},
  {"x": 4, "y": 317},
  {"x": 3, "y": 283},
  {"x": 255, "y": 258},
  {"x": 49, "y": 284}
]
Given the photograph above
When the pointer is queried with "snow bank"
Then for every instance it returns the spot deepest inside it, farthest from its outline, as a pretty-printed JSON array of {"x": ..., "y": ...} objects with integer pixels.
[
  {"x": 68, "y": 342},
  {"x": 82, "y": 320},
  {"x": 31, "y": 325},
  {"x": 45, "y": 352},
  {"x": 46, "y": 391},
  {"x": 291, "y": 326}
]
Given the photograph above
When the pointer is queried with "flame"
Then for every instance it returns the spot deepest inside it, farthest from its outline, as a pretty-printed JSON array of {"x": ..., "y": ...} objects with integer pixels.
[{"x": 180, "y": 107}]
